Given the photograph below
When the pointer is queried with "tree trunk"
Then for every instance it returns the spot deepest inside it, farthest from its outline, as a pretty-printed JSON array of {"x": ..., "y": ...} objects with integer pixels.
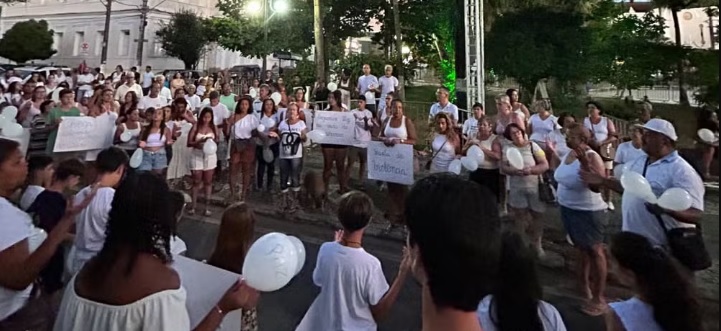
[
  {"x": 683, "y": 95},
  {"x": 320, "y": 61}
]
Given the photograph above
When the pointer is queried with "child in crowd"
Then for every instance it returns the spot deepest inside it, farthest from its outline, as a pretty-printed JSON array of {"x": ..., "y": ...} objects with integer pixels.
[
  {"x": 40, "y": 174},
  {"x": 48, "y": 208},
  {"x": 354, "y": 292}
]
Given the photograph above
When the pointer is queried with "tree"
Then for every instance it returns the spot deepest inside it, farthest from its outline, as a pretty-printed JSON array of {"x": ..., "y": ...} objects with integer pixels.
[
  {"x": 237, "y": 30},
  {"x": 28, "y": 40},
  {"x": 541, "y": 42},
  {"x": 628, "y": 50},
  {"x": 704, "y": 75},
  {"x": 184, "y": 37}
]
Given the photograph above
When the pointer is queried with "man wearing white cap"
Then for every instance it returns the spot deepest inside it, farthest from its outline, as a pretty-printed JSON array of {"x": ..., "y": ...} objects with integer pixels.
[{"x": 664, "y": 168}]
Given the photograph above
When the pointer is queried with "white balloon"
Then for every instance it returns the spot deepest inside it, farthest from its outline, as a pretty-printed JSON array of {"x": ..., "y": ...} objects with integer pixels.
[
  {"x": 276, "y": 97},
  {"x": 253, "y": 93},
  {"x": 706, "y": 135},
  {"x": 676, "y": 199},
  {"x": 619, "y": 170},
  {"x": 332, "y": 87},
  {"x": 10, "y": 112},
  {"x": 635, "y": 184},
  {"x": 271, "y": 262},
  {"x": 476, "y": 153},
  {"x": 300, "y": 250},
  {"x": 515, "y": 158},
  {"x": 210, "y": 147},
  {"x": 370, "y": 97},
  {"x": 56, "y": 94},
  {"x": 455, "y": 167},
  {"x": 12, "y": 130},
  {"x": 126, "y": 136},
  {"x": 261, "y": 128},
  {"x": 469, "y": 163},
  {"x": 137, "y": 158}
]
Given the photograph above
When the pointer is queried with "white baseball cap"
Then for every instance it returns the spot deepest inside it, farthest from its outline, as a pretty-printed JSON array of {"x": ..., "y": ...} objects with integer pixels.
[{"x": 663, "y": 127}]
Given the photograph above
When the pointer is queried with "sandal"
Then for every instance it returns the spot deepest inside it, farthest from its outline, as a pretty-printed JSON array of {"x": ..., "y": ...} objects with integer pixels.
[{"x": 594, "y": 309}]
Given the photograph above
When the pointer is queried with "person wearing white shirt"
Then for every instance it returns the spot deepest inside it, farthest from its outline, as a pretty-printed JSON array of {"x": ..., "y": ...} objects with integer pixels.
[
  {"x": 148, "y": 77},
  {"x": 443, "y": 106},
  {"x": 41, "y": 171},
  {"x": 153, "y": 99},
  {"x": 364, "y": 123},
  {"x": 388, "y": 83},
  {"x": 164, "y": 91},
  {"x": 243, "y": 127},
  {"x": 354, "y": 292},
  {"x": 258, "y": 103},
  {"x": 542, "y": 123},
  {"x": 129, "y": 85},
  {"x": 85, "y": 83},
  {"x": 630, "y": 150},
  {"x": 221, "y": 113},
  {"x": 664, "y": 168},
  {"x": 556, "y": 140},
  {"x": 194, "y": 101},
  {"x": 91, "y": 223},
  {"x": 368, "y": 86},
  {"x": 470, "y": 126},
  {"x": 24, "y": 249},
  {"x": 515, "y": 302}
]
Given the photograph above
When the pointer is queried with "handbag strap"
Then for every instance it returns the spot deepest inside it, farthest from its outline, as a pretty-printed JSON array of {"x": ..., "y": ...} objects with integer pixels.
[
  {"x": 439, "y": 150},
  {"x": 658, "y": 217}
]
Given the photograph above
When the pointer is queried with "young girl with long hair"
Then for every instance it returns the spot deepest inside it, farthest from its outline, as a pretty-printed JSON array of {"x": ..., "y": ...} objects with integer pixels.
[
  {"x": 243, "y": 127},
  {"x": 267, "y": 145},
  {"x": 202, "y": 165},
  {"x": 335, "y": 154},
  {"x": 153, "y": 140},
  {"x": 237, "y": 228},
  {"x": 665, "y": 299}
]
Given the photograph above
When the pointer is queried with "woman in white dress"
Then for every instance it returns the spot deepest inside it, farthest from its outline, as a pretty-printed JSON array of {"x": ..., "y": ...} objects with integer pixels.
[
  {"x": 202, "y": 165},
  {"x": 445, "y": 145},
  {"x": 181, "y": 120},
  {"x": 105, "y": 294},
  {"x": 133, "y": 126}
]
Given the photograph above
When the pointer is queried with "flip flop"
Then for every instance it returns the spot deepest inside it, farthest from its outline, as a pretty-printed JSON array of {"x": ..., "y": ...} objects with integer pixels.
[{"x": 594, "y": 310}]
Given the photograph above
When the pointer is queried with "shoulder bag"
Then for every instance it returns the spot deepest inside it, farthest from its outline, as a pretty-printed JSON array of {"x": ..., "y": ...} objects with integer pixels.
[{"x": 685, "y": 244}]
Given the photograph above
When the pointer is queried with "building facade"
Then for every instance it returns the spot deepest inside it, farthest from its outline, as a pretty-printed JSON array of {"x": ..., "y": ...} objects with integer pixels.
[
  {"x": 78, "y": 27},
  {"x": 695, "y": 25}
]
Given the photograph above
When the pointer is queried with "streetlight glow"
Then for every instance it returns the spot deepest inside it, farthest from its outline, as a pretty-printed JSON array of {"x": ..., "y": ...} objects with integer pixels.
[
  {"x": 280, "y": 6},
  {"x": 254, "y": 8}
]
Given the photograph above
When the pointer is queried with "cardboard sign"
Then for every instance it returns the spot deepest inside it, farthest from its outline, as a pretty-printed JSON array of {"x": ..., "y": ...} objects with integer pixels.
[
  {"x": 84, "y": 133},
  {"x": 339, "y": 127},
  {"x": 390, "y": 164},
  {"x": 205, "y": 285}
]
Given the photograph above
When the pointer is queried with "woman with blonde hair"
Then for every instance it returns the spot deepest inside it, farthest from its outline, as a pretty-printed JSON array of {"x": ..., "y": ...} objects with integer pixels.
[
  {"x": 237, "y": 228},
  {"x": 445, "y": 145}
]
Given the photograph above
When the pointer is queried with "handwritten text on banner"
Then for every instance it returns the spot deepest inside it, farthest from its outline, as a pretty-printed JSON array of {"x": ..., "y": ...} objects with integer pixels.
[
  {"x": 84, "y": 133},
  {"x": 339, "y": 127},
  {"x": 390, "y": 164}
]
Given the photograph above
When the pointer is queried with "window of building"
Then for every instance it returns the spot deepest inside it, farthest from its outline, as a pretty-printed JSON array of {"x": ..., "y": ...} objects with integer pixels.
[
  {"x": 57, "y": 41},
  {"x": 78, "y": 43},
  {"x": 124, "y": 43},
  {"x": 158, "y": 48},
  {"x": 98, "y": 43}
]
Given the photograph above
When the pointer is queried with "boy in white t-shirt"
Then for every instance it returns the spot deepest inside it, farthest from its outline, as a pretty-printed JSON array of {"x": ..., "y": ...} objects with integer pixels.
[
  {"x": 364, "y": 123},
  {"x": 354, "y": 292}
]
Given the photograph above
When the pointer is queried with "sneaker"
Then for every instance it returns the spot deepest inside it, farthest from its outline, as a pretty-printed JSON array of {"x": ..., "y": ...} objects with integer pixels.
[{"x": 611, "y": 207}]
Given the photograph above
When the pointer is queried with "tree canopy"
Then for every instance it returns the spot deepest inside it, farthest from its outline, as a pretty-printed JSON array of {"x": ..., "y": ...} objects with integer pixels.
[
  {"x": 28, "y": 40},
  {"x": 184, "y": 37}
]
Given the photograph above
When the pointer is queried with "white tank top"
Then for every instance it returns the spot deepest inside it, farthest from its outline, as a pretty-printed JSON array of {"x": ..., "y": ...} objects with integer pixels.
[
  {"x": 155, "y": 140},
  {"x": 487, "y": 163},
  {"x": 572, "y": 192},
  {"x": 542, "y": 128},
  {"x": 444, "y": 152},
  {"x": 600, "y": 130},
  {"x": 400, "y": 132},
  {"x": 134, "y": 134},
  {"x": 635, "y": 315}
]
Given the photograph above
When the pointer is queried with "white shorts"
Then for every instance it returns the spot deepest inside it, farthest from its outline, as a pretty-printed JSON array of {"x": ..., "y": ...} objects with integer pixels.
[{"x": 201, "y": 162}]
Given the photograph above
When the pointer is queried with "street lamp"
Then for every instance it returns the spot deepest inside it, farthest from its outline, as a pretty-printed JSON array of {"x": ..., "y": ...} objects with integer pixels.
[{"x": 268, "y": 8}]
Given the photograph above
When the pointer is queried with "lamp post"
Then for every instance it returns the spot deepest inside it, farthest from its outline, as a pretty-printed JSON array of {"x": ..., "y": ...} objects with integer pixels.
[{"x": 268, "y": 8}]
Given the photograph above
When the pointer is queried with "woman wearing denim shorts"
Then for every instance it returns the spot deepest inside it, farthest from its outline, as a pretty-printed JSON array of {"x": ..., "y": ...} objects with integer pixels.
[{"x": 153, "y": 140}]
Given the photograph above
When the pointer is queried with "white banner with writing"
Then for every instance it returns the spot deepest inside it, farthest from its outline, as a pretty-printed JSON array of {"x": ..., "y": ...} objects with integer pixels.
[
  {"x": 84, "y": 133},
  {"x": 390, "y": 164},
  {"x": 339, "y": 127}
]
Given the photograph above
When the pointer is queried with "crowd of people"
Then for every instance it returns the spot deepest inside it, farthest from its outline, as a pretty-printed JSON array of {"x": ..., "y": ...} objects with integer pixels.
[{"x": 120, "y": 227}]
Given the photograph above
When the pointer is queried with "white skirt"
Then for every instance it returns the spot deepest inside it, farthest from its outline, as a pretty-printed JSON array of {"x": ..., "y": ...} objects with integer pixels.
[{"x": 199, "y": 161}]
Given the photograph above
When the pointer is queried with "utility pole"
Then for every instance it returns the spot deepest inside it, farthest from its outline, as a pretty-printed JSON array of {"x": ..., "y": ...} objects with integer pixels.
[
  {"x": 106, "y": 36},
  {"x": 399, "y": 50},
  {"x": 265, "y": 35},
  {"x": 320, "y": 61},
  {"x": 141, "y": 36}
]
